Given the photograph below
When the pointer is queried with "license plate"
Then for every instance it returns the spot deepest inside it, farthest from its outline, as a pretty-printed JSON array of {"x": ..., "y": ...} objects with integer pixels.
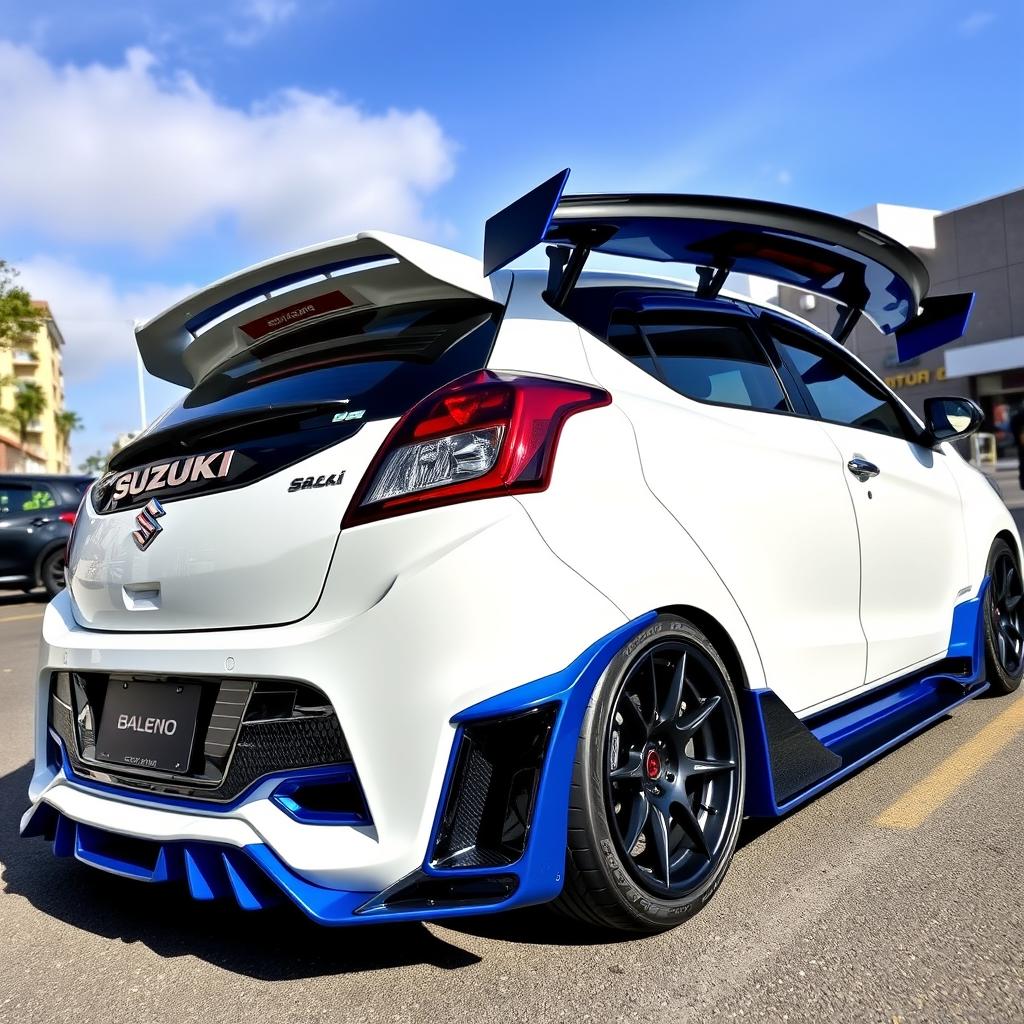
[{"x": 148, "y": 725}]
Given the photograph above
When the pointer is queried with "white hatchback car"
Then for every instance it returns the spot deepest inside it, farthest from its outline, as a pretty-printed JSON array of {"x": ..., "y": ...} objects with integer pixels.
[{"x": 448, "y": 589}]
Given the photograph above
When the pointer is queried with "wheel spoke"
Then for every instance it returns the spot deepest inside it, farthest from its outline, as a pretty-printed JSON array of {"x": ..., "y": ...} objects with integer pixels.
[
  {"x": 691, "y": 722},
  {"x": 687, "y": 820},
  {"x": 1012, "y": 601},
  {"x": 637, "y": 820},
  {"x": 634, "y": 706},
  {"x": 632, "y": 770},
  {"x": 670, "y": 709},
  {"x": 660, "y": 825},
  {"x": 1001, "y": 641},
  {"x": 706, "y": 767}
]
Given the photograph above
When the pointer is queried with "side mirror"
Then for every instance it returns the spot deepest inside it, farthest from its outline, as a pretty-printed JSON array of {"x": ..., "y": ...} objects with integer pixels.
[{"x": 948, "y": 419}]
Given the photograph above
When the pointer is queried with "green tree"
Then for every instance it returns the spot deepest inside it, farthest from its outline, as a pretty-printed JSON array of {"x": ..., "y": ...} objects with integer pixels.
[
  {"x": 66, "y": 421},
  {"x": 94, "y": 464},
  {"x": 29, "y": 405},
  {"x": 17, "y": 314}
]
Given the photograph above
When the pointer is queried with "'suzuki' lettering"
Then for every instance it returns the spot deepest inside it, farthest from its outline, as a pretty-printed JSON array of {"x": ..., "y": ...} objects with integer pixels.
[{"x": 214, "y": 466}]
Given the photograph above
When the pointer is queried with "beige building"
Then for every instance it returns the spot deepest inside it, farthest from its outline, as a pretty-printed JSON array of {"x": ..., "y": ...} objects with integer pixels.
[{"x": 34, "y": 357}]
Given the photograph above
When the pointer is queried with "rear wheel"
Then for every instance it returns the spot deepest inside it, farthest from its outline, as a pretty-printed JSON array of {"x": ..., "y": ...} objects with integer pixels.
[
  {"x": 51, "y": 572},
  {"x": 1004, "y": 629},
  {"x": 657, "y": 792}
]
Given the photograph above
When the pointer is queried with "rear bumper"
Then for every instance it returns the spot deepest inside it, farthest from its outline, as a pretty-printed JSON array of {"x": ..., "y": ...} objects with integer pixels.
[
  {"x": 457, "y": 631},
  {"x": 226, "y": 857}
]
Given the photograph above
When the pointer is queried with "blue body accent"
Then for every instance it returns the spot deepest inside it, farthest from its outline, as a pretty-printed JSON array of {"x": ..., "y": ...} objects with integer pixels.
[
  {"x": 522, "y": 225},
  {"x": 943, "y": 318},
  {"x": 862, "y": 729},
  {"x": 287, "y": 796}
]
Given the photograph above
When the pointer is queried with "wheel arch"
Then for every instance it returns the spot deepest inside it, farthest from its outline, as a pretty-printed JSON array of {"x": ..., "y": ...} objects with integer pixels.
[
  {"x": 719, "y": 637},
  {"x": 1010, "y": 539}
]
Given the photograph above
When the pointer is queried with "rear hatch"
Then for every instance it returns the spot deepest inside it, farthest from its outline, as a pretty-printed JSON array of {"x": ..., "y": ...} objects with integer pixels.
[{"x": 226, "y": 511}]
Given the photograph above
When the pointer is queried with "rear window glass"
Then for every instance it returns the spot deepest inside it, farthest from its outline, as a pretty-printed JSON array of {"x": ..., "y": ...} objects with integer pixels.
[
  {"x": 29, "y": 497},
  {"x": 382, "y": 360}
]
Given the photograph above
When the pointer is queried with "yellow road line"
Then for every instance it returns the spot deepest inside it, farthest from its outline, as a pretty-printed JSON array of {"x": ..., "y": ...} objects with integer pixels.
[
  {"x": 964, "y": 763},
  {"x": 19, "y": 618}
]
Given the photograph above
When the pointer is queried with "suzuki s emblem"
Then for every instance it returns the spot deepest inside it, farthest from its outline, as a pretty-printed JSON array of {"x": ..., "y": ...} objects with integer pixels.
[{"x": 148, "y": 525}]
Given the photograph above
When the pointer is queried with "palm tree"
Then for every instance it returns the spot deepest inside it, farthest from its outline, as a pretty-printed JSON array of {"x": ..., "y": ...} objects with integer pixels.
[
  {"x": 94, "y": 464},
  {"x": 29, "y": 405},
  {"x": 66, "y": 421}
]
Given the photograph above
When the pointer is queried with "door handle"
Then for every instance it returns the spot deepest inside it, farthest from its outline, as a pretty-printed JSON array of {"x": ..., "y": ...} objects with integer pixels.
[{"x": 862, "y": 469}]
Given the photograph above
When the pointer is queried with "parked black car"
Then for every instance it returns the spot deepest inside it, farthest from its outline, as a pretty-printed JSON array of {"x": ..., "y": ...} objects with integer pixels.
[{"x": 37, "y": 512}]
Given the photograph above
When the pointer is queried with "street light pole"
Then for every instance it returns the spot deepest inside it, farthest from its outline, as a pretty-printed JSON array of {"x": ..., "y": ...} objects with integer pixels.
[{"x": 141, "y": 379}]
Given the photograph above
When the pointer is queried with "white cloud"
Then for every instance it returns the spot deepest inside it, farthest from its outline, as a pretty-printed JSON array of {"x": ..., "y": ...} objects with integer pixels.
[
  {"x": 975, "y": 22},
  {"x": 94, "y": 315},
  {"x": 258, "y": 18},
  {"x": 129, "y": 155}
]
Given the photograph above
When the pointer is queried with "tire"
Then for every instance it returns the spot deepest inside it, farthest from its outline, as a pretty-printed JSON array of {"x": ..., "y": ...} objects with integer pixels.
[
  {"x": 1004, "y": 629},
  {"x": 633, "y": 752},
  {"x": 51, "y": 572}
]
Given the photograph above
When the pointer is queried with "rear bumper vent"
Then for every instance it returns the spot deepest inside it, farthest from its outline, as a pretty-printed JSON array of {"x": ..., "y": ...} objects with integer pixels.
[{"x": 490, "y": 801}]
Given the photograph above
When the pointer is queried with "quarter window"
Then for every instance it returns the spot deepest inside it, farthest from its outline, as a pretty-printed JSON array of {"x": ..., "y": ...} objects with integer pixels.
[
  {"x": 838, "y": 396},
  {"x": 720, "y": 363}
]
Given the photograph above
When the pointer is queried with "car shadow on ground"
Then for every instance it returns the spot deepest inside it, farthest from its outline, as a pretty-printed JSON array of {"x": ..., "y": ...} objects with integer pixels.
[
  {"x": 14, "y": 598},
  {"x": 279, "y": 944}
]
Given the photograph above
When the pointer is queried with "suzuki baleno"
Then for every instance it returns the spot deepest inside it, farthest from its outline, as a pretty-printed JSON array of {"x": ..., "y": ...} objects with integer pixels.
[{"x": 448, "y": 588}]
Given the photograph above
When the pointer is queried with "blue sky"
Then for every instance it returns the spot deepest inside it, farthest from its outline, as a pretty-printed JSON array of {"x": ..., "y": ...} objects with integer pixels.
[{"x": 153, "y": 146}]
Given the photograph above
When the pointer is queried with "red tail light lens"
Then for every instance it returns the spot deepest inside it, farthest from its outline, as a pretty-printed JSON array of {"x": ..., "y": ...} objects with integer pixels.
[
  {"x": 68, "y": 517},
  {"x": 483, "y": 435}
]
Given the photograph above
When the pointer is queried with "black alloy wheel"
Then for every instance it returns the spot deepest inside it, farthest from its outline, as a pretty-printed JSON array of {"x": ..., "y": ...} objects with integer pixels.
[
  {"x": 672, "y": 766},
  {"x": 658, "y": 784},
  {"x": 1004, "y": 631}
]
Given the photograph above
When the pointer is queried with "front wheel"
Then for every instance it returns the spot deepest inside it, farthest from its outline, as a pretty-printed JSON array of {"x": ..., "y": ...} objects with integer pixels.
[
  {"x": 1004, "y": 630},
  {"x": 657, "y": 792}
]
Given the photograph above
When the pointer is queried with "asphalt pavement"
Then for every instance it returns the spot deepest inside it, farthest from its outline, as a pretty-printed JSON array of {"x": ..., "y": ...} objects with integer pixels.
[{"x": 896, "y": 897}]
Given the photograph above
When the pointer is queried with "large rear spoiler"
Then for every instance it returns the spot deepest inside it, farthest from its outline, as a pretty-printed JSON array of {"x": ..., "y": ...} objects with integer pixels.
[
  {"x": 185, "y": 342},
  {"x": 862, "y": 270}
]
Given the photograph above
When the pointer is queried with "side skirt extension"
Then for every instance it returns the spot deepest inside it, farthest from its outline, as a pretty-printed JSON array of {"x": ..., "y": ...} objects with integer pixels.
[{"x": 790, "y": 760}]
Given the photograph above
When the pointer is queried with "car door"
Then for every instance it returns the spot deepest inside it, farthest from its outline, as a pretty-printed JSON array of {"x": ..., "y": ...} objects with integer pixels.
[
  {"x": 24, "y": 506},
  {"x": 909, "y": 512},
  {"x": 757, "y": 485}
]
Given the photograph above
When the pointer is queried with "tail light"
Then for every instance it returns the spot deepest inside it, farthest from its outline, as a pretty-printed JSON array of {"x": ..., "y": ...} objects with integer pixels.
[
  {"x": 68, "y": 517},
  {"x": 482, "y": 435}
]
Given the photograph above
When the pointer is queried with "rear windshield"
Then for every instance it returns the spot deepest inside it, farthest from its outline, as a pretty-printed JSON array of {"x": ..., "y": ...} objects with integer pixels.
[
  {"x": 383, "y": 360},
  {"x": 377, "y": 363}
]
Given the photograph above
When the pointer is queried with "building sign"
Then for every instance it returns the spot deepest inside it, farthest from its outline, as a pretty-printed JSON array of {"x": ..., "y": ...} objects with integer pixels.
[{"x": 915, "y": 377}]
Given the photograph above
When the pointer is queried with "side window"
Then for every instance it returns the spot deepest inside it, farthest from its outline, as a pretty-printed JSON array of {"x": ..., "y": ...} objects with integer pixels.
[
  {"x": 15, "y": 498},
  {"x": 41, "y": 497},
  {"x": 721, "y": 363},
  {"x": 838, "y": 391}
]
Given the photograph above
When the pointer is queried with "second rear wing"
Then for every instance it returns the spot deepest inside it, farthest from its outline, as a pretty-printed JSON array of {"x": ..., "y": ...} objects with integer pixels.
[{"x": 857, "y": 267}]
